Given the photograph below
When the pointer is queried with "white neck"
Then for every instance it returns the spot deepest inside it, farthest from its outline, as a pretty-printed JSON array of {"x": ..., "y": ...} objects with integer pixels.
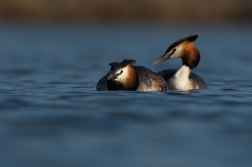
[
  {"x": 183, "y": 73},
  {"x": 180, "y": 80}
]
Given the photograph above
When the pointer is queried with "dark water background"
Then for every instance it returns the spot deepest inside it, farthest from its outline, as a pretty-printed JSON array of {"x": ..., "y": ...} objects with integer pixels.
[{"x": 51, "y": 114}]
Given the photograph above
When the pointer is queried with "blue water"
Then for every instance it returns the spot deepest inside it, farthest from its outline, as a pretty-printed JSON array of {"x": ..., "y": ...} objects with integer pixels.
[{"x": 51, "y": 114}]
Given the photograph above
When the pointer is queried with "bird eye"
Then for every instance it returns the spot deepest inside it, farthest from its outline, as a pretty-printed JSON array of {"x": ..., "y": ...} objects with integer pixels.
[
  {"x": 121, "y": 72},
  {"x": 173, "y": 51}
]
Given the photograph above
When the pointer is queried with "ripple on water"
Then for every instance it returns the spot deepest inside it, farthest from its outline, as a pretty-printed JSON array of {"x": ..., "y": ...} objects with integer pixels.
[{"x": 50, "y": 112}]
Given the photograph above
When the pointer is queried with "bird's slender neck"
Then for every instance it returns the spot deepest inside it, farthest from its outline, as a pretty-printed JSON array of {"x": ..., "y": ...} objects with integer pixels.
[{"x": 183, "y": 73}]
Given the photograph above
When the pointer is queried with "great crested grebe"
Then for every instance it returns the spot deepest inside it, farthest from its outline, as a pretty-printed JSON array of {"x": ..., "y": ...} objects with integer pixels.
[
  {"x": 125, "y": 76},
  {"x": 183, "y": 79}
]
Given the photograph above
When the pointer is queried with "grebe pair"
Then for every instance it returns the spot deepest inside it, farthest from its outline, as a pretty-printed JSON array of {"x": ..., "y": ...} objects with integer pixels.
[{"x": 125, "y": 76}]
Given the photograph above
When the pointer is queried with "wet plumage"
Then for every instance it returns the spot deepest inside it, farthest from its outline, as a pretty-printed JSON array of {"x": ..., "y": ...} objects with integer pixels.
[
  {"x": 194, "y": 78},
  {"x": 183, "y": 78},
  {"x": 125, "y": 76}
]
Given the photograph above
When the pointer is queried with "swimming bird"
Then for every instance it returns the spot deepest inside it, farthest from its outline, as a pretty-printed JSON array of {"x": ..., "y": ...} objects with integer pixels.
[
  {"x": 125, "y": 76},
  {"x": 182, "y": 79}
]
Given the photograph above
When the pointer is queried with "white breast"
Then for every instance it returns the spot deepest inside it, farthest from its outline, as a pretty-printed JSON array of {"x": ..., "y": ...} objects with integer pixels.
[{"x": 180, "y": 80}]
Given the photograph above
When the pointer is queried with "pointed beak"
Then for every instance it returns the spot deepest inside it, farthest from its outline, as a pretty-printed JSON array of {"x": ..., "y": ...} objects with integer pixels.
[
  {"x": 162, "y": 58},
  {"x": 112, "y": 76}
]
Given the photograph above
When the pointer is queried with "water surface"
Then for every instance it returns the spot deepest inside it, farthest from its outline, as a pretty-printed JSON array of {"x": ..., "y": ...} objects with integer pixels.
[{"x": 51, "y": 114}]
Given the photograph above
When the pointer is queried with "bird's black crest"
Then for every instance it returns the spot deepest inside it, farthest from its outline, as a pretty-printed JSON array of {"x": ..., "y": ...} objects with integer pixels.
[
  {"x": 190, "y": 38},
  {"x": 116, "y": 65},
  {"x": 129, "y": 61}
]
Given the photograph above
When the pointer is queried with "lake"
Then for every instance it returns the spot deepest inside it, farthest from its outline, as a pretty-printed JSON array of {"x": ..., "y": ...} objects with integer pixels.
[{"x": 52, "y": 115}]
